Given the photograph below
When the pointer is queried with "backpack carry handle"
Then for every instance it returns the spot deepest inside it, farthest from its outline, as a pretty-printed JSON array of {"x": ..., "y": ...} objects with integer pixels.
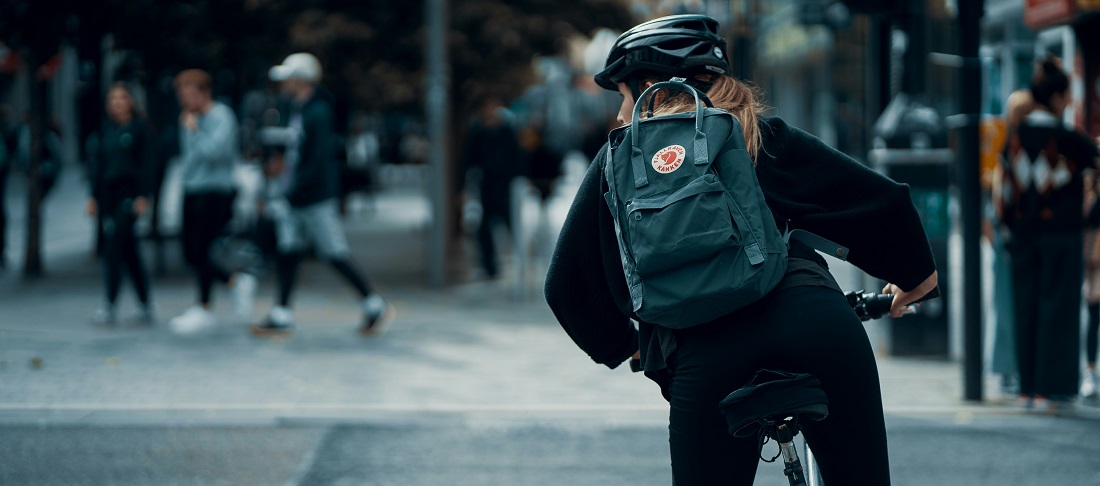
[{"x": 701, "y": 154}]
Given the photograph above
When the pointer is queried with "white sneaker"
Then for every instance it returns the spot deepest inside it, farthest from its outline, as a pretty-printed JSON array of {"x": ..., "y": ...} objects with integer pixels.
[
  {"x": 377, "y": 315},
  {"x": 105, "y": 316},
  {"x": 1090, "y": 385},
  {"x": 194, "y": 320},
  {"x": 243, "y": 295}
]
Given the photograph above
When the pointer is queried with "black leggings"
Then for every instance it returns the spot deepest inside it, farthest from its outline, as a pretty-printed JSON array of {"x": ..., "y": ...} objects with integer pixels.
[
  {"x": 204, "y": 218},
  {"x": 120, "y": 248},
  {"x": 287, "y": 269},
  {"x": 1092, "y": 336},
  {"x": 801, "y": 329}
]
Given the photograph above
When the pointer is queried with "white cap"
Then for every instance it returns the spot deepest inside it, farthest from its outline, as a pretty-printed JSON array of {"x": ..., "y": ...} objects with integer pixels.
[{"x": 299, "y": 65}]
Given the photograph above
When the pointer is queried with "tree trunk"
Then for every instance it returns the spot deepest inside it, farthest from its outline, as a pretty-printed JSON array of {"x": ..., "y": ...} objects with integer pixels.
[{"x": 32, "y": 261}]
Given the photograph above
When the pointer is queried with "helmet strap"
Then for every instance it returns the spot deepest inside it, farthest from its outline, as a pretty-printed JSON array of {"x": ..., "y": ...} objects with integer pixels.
[{"x": 634, "y": 88}]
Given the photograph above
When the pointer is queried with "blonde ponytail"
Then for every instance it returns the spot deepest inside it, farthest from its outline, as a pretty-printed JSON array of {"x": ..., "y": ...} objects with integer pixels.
[{"x": 727, "y": 93}]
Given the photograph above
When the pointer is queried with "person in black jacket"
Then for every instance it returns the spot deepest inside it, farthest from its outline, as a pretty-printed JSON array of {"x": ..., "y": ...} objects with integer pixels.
[
  {"x": 305, "y": 209},
  {"x": 805, "y": 325},
  {"x": 121, "y": 181},
  {"x": 1044, "y": 170}
]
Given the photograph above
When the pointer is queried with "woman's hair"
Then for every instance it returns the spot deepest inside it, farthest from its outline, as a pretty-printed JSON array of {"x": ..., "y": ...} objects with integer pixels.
[
  {"x": 1048, "y": 80},
  {"x": 727, "y": 93},
  {"x": 135, "y": 107}
]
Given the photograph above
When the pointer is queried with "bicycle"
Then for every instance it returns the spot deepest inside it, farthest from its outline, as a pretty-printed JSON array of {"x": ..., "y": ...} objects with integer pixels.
[{"x": 773, "y": 402}]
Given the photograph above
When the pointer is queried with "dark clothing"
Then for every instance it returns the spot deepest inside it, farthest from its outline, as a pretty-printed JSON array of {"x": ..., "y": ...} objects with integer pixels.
[
  {"x": 125, "y": 167},
  {"x": 1046, "y": 272},
  {"x": 1044, "y": 165},
  {"x": 316, "y": 175},
  {"x": 544, "y": 168},
  {"x": 819, "y": 335},
  {"x": 815, "y": 188},
  {"x": 122, "y": 171},
  {"x": 204, "y": 218},
  {"x": 495, "y": 150},
  {"x": 121, "y": 248},
  {"x": 1092, "y": 334}
]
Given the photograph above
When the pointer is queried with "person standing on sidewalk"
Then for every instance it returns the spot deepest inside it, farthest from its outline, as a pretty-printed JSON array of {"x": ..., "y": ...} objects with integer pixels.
[
  {"x": 208, "y": 157},
  {"x": 492, "y": 145},
  {"x": 121, "y": 183},
  {"x": 1044, "y": 167},
  {"x": 308, "y": 210}
]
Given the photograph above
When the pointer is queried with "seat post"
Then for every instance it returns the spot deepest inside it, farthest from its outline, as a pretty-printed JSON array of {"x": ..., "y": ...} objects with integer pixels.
[{"x": 785, "y": 432}]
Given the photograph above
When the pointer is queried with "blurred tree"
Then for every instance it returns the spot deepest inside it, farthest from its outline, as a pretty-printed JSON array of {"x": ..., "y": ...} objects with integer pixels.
[
  {"x": 372, "y": 50},
  {"x": 35, "y": 30}
]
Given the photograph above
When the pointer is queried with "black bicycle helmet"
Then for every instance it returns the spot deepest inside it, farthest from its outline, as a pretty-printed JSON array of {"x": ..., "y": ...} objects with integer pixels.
[{"x": 668, "y": 46}]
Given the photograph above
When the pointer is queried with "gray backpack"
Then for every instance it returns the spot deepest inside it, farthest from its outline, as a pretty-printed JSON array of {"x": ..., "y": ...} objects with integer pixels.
[{"x": 696, "y": 238}]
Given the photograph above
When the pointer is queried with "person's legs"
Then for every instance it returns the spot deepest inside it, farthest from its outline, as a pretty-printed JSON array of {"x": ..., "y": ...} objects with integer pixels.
[
  {"x": 286, "y": 268},
  {"x": 831, "y": 343},
  {"x": 1058, "y": 338},
  {"x": 1024, "y": 274},
  {"x": 217, "y": 211},
  {"x": 486, "y": 245},
  {"x": 803, "y": 330},
  {"x": 130, "y": 253},
  {"x": 1092, "y": 335},
  {"x": 322, "y": 225},
  {"x": 112, "y": 256},
  {"x": 702, "y": 450},
  {"x": 3, "y": 215}
]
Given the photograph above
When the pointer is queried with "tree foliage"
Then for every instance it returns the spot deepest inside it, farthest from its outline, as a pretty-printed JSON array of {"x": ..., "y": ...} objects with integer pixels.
[{"x": 372, "y": 50}]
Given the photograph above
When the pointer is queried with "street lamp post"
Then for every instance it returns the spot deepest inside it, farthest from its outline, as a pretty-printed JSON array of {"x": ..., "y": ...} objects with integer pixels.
[{"x": 437, "y": 113}]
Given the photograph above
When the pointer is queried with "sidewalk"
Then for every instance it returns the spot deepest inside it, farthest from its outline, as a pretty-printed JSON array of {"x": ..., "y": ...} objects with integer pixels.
[{"x": 472, "y": 349}]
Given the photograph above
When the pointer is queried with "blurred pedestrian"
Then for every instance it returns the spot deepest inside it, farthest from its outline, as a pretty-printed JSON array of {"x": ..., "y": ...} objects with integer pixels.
[
  {"x": 492, "y": 147},
  {"x": 8, "y": 144},
  {"x": 121, "y": 176},
  {"x": 1003, "y": 354},
  {"x": 1045, "y": 162},
  {"x": 208, "y": 157},
  {"x": 1090, "y": 382},
  {"x": 543, "y": 163},
  {"x": 304, "y": 203}
]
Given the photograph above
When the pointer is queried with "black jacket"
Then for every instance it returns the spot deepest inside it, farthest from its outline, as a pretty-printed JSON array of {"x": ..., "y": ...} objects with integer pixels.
[
  {"x": 317, "y": 173},
  {"x": 125, "y": 165},
  {"x": 814, "y": 186}
]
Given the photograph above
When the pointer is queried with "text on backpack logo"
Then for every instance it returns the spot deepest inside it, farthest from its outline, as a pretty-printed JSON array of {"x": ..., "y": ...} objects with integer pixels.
[{"x": 668, "y": 159}]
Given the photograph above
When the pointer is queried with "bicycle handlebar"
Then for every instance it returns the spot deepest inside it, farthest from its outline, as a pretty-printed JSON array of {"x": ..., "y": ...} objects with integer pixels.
[{"x": 871, "y": 305}]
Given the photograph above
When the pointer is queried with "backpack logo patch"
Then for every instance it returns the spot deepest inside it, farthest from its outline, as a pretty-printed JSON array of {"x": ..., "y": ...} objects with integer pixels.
[{"x": 668, "y": 159}]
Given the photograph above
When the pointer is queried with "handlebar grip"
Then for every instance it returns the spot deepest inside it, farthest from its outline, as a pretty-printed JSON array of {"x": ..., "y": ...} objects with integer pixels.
[{"x": 878, "y": 305}]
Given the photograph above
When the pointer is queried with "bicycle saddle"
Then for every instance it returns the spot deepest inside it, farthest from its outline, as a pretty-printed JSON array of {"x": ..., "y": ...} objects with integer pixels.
[{"x": 772, "y": 396}]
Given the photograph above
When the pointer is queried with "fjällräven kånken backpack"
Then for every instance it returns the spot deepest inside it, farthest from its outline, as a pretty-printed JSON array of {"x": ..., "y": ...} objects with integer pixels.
[{"x": 696, "y": 238}]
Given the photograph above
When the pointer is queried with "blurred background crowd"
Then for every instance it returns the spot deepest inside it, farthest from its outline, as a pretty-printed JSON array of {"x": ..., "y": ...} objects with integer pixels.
[{"x": 877, "y": 80}]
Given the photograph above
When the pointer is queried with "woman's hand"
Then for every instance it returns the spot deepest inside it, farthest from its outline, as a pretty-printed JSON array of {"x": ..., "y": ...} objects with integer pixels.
[
  {"x": 90, "y": 208},
  {"x": 902, "y": 299}
]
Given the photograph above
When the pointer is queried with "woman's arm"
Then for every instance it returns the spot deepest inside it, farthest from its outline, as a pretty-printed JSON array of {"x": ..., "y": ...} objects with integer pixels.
[
  {"x": 577, "y": 289},
  {"x": 822, "y": 190}
]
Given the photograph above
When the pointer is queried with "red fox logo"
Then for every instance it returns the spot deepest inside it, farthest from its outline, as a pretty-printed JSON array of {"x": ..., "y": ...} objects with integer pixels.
[{"x": 668, "y": 159}]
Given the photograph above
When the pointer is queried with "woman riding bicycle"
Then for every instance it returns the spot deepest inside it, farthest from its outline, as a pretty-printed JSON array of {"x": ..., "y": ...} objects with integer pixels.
[{"x": 805, "y": 325}]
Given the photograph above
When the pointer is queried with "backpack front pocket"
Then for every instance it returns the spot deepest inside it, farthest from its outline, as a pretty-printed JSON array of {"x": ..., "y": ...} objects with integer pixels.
[{"x": 691, "y": 224}]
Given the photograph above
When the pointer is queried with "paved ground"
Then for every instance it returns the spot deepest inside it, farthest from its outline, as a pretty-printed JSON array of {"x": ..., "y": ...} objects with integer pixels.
[{"x": 475, "y": 384}]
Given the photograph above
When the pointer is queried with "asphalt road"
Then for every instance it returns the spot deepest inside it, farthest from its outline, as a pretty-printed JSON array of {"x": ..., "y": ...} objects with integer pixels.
[{"x": 935, "y": 450}]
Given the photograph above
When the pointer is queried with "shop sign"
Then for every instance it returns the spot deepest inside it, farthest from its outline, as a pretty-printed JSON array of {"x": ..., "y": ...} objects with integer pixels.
[{"x": 1039, "y": 14}]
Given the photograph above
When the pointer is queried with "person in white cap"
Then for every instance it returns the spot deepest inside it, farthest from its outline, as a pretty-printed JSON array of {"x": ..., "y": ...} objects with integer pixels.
[{"x": 307, "y": 211}]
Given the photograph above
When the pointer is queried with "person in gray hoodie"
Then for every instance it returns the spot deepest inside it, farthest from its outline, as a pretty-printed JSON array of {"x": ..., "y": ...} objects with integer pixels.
[{"x": 208, "y": 157}]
